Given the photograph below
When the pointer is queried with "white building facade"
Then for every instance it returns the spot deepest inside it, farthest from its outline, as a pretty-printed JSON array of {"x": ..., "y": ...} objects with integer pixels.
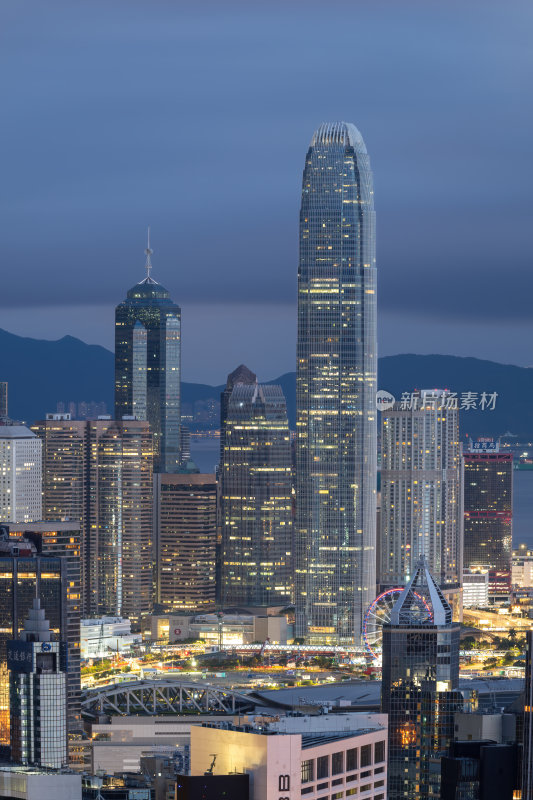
[
  {"x": 421, "y": 491},
  {"x": 20, "y": 474},
  {"x": 293, "y": 765},
  {"x": 475, "y": 589},
  {"x": 105, "y": 636},
  {"x": 522, "y": 568}
]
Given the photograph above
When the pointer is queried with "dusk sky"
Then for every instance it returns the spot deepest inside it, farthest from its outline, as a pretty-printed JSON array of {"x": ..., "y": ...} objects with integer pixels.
[{"x": 195, "y": 118}]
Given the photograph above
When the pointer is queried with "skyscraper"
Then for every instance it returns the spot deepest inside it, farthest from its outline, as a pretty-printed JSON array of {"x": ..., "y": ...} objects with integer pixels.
[
  {"x": 336, "y": 389},
  {"x": 38, "y": 694},
  {"x": 421, "y": 504},
  {"x": 25, "y": 575},
  {"x": 488, "y": 515},
  {"x": 99, "y": 474},
  {"x": 20, "y": 475},
  {"x": 120, "y": 533},
  {"x": 148, "y": 365},
  {"x": 185, "y": 531},
  {"x": 420, "y": 686},
  {"x": 65, "y": 494},
  {"x": 240, "y": 375},
  {"x": 256, "y": 498},
  {"x": 60, "y": 540}
]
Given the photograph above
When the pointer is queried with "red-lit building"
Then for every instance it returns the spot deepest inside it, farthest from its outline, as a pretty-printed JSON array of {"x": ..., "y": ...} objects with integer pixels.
[{"x": 488, "y": 515}]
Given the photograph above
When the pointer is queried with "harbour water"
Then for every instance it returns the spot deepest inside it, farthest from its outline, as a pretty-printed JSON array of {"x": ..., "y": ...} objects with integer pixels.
[{"x": 523, "y": 508}]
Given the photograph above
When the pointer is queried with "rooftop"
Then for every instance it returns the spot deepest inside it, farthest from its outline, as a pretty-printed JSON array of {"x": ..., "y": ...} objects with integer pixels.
[
  {"x": 367, "y": 694},
  {"x": 314, "y": 739},
  {"x": 343, "y": 133},
  {"x": 16, "y": 432}
]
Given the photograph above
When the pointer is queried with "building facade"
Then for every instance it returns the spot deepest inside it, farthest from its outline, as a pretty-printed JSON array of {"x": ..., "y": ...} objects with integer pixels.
[
  {"x": 99, "y": 474},
  {"x": 480, "y": 770},
  {"x": 60, "y": 540},
  {"x": 120, "y": 538},
  {"x": 30, "y": 783},
  {"x": 336, "y": 389},
  {"x": 185, "y": 531},
  {"x": 219, "y": 629},
  {"x": 420, "y": 686},
  {"x": 148, "y": 365},
  {"x": 38, "y": 694},
  {"x": 475, "y": 589},
  {"x": 64, "y": 478},
  {"x": 20, "y": 474},
  {"x": 488, "y": 517},
  {"x": 241, "y": 375},
  {"x": 522, "y": 567},
  {"x": 25, "y": 575},
  {"x": 421, "y": 498},
  {"x": 256, "y": 498},
  {"x": 527, "y": 735},
  {"x": 104, "y": 636},
  {"x": 345, "y": 761}
]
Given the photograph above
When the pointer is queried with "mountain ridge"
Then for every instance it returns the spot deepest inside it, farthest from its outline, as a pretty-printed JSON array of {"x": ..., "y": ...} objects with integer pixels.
[{"x": 41, "y": 372}]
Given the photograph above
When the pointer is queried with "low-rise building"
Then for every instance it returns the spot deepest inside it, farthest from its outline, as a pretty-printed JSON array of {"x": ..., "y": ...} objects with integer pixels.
[
  {"x": 475, "y": 589},
  {"x": 30, "y": 783},
  {"x": 499, "y": 728},
  {"x": 220, "y": 629},
  {"x": 119, "y": 745},
  {"x": 106, "y": 635},
  {"x": 522, "y": 568},
  {"x": 117, "y": 787},
  {"x": 300, "y": 764}
]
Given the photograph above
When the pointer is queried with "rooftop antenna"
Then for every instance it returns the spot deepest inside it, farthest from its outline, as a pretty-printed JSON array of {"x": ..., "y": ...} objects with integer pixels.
[{"x": 148, "y": 252}]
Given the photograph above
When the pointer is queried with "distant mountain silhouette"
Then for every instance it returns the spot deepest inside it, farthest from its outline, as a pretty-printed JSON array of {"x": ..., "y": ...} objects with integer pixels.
[{"x": 40, "y": 373}]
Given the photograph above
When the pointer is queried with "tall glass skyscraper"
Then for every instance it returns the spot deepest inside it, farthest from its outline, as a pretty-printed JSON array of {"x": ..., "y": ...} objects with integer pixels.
[
  {"x": 336, "y": 389},
  {"x": 256, "y": 492},
  {"x": 148, "y": 365}
]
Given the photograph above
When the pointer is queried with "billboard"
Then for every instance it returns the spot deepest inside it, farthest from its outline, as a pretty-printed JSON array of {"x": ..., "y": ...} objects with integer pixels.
[
  {"x": 485, "y": 445},
  {"x": 20, "y": 656}
]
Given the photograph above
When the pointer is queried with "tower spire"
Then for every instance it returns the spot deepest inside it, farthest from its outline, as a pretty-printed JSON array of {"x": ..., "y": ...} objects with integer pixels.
[
  {"x": 421, "y": 589},
  {"x": 148, "y": 252}
]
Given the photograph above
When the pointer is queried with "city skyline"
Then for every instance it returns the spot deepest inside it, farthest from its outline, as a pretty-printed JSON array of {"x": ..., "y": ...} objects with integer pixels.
[
  {"x": 217, "y": 583},
  {"x": 86, "y": 217}
]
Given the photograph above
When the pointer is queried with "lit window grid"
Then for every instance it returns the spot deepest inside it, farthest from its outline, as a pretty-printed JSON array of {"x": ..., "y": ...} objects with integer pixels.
[{"x": 336, "y": 385}]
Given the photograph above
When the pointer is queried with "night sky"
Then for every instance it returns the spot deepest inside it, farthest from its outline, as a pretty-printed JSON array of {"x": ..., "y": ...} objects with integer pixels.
[{"x": 195, "y": 118}]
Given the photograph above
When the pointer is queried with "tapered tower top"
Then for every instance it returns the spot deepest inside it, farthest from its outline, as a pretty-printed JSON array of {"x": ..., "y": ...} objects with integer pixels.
[
  {"x": 421, "y": 589},
  {"x": 344, "y": 133},
  {"x": 148, "y": 290},
  {"x": 36, "y": 626}
]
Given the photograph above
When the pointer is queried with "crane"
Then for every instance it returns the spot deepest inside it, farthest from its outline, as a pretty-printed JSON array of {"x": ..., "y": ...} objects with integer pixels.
[
  {"x": 267, "y": 640},
  {"x": 212, "y": 766}
]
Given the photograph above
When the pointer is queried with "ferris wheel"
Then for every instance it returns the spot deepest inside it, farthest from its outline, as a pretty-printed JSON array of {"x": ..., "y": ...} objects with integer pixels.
[{"x": 378, "y": 614}]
